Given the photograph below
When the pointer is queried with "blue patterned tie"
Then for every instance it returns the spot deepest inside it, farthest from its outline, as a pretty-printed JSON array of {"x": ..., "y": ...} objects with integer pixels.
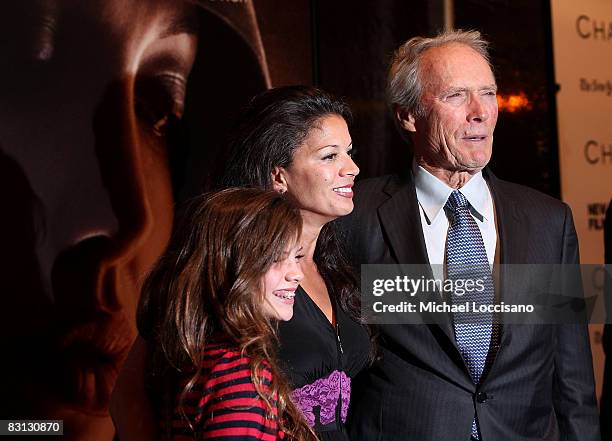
[{"x": 466, "y": 259}]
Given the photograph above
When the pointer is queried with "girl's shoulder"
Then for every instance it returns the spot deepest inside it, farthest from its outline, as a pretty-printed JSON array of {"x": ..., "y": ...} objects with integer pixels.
[{"x": 222, "y": 362}]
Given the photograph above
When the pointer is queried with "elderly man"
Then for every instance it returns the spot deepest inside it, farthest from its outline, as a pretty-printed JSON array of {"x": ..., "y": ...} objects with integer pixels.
[{"x": 485, "y": 382}]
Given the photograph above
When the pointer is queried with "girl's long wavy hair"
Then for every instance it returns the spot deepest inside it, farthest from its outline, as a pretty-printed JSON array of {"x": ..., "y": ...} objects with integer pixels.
[{"x": 208, "y": 286}]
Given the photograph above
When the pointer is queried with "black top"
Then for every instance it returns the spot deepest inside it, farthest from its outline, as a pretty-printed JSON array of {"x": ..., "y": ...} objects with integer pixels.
[{"x": 312, "y": 349}]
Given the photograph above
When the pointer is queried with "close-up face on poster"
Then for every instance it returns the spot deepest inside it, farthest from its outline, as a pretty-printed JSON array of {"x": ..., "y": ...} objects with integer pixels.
[{"x": 90, "y": 161}]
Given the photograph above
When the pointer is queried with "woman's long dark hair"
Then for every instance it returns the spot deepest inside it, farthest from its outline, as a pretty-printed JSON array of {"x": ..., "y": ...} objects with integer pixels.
[
  {"x": 208, "y": 287},
  {"x": 273, "y": 125}
]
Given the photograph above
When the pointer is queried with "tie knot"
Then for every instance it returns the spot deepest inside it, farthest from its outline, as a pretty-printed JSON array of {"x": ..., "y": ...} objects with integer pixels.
[{"x": 456, "y": 201}]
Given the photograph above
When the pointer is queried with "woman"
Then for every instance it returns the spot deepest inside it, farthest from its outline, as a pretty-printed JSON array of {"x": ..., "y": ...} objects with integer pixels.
[
  {"x": 295, "y": 140},
  {"x": 209, "y": 306}
]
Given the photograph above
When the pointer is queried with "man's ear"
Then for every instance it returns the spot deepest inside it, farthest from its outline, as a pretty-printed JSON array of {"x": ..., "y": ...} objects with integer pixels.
[
  {"x": 405, "y": 118},
  {"x": 279, "y": 183}
]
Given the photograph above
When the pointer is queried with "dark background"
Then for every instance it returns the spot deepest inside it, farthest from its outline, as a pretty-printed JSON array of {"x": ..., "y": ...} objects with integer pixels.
[{"x": 344, "y": 47}]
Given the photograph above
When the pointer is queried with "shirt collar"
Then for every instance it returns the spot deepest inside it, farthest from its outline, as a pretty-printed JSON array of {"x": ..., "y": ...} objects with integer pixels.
[{"x": 432, "y": 194}]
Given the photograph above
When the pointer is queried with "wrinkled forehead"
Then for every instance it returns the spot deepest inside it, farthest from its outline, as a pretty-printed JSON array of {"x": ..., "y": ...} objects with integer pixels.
[
  {"x": 451, "y": 53},
  {"x": 455, "y": 64}
]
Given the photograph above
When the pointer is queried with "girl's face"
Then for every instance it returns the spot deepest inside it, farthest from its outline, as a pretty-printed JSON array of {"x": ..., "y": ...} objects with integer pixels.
[{"x": 280, "y": 283}]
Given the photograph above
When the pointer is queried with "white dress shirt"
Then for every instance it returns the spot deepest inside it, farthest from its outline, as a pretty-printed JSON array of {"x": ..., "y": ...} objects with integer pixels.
[{"x": 432, "y": 195}]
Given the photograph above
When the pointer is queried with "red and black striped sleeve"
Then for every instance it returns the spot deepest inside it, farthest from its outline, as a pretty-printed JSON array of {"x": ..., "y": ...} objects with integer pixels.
[{"x": 224, "y": 404}]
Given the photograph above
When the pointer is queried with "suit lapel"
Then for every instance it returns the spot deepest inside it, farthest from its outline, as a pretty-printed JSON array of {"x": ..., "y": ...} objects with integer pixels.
[
  {"x": 401, "y": 221},
  {"x": 509, "y": 222},
  {"x": 512, "y": 247}
]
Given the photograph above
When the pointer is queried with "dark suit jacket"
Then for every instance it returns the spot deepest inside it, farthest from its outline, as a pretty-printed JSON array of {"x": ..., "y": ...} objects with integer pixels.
[{"x": 539, "y": 386}]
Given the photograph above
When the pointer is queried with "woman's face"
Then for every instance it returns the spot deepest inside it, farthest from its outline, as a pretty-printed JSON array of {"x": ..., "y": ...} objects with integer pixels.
[
  {"x": 280, "y": 283},
  {"x": 320, "y": 178}
]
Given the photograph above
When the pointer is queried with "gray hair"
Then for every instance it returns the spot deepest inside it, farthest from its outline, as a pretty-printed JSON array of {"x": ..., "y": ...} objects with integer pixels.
[{"x": 404, "y": 85}]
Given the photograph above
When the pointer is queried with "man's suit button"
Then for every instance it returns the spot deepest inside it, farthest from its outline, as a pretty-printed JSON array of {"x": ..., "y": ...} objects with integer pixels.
[{"x": 481, "y": 397}]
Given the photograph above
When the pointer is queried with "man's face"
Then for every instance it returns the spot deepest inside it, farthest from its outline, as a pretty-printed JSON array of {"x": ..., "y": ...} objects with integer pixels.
[
  {"x": 460, "y": 110},
  {"x": 89, "y": 90}
]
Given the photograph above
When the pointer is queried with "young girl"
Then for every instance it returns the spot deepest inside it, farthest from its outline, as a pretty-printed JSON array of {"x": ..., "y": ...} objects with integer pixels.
[{"x": 210, "y": 307}]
